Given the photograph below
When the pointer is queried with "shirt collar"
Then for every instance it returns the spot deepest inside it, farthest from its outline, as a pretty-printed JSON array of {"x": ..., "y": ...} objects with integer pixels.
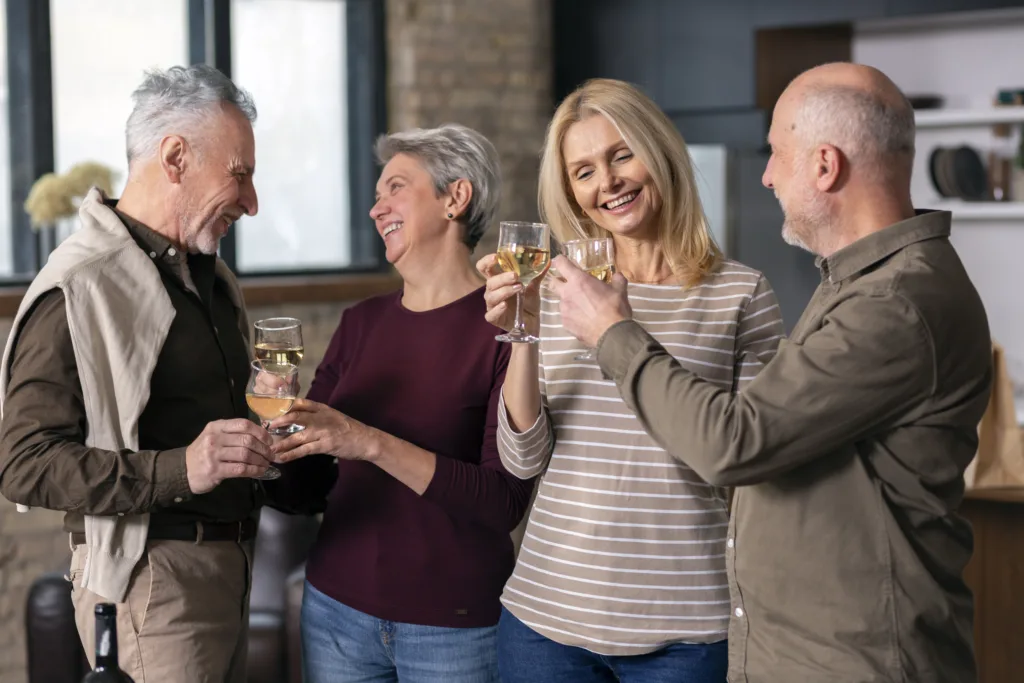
[
  {"x": 153, "y": 243},
  {"x": 867, "y": 251}
]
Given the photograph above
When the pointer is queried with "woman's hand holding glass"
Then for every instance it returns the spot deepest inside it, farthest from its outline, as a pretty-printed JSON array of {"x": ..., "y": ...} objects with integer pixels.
[{"x": 324, "y": 430}]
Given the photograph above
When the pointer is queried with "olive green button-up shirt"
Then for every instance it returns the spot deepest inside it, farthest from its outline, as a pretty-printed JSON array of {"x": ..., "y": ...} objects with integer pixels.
[{"x": 846, "y": 553}]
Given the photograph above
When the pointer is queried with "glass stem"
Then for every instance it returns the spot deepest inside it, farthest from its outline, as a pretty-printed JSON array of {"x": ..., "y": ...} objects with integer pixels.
[{"x": 519, "y": 326}]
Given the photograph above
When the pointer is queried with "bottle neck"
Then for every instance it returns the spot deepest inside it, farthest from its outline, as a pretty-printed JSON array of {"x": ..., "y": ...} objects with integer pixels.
[{"x": 106, "y": 641}]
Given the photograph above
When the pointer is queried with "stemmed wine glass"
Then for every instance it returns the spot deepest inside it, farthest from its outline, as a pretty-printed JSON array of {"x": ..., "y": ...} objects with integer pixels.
[
  {"x": 524, "y": 249},
  {"x": 279, "y": 340},
  {"x": 597, "y": 257},
  {"x": 270, "y": 393}
]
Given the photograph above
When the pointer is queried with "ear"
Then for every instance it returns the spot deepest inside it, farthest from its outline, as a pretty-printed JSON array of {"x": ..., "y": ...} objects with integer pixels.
[
  {"x": 459, "y": 194},
  {"x": 173, "y": 157},
  {"x": 829, "y": 164}
]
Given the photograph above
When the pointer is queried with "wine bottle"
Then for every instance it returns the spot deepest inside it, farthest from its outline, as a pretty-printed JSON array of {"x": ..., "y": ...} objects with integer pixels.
[{"x": 107, "y": 670}]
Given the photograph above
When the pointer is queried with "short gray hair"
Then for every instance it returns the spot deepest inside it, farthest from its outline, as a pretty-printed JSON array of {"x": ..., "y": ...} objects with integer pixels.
[
  {"x": 867, "y": 127},
  {"x": 175, "y": 101},
  {"x": 449, "y": 153}
]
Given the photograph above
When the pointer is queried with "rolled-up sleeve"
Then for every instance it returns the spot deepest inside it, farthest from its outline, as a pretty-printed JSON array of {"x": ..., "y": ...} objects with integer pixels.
[
  {"x": 525, "y": 454},
  {"x": 44, "y": 461},
  {"x": 871, "y": 361}
]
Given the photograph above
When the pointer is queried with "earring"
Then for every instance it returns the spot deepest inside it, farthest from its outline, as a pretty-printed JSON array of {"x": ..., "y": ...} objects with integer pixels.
[{"x": 451, "y": 216}]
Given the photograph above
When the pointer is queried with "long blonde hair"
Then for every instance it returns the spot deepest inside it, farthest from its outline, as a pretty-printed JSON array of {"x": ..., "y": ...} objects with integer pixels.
[{"x": 683, "y": 228}]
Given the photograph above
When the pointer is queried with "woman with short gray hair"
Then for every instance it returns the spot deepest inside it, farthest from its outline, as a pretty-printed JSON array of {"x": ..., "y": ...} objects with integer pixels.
[{"x": 400, "y": 441}]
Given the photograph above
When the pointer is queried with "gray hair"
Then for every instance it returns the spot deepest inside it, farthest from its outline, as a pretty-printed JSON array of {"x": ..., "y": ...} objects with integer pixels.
[
  {"x": 177, "y": 101},
  {"x": 449, "y": 153},
  {"x": 867, "y": 127}
]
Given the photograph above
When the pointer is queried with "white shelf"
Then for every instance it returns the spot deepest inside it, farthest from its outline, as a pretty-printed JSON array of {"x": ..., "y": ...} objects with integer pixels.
[
  {"x": 961, "y": 118},
  {"x": 979, "y": 211}
]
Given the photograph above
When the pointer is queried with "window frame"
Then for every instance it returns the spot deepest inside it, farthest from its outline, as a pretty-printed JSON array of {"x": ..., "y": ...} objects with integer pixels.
[{"x": 31, "y": 129}]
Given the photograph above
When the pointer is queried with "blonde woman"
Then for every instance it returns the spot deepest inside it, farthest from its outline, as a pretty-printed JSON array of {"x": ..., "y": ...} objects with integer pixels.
[{"x": 621, "y": 576}]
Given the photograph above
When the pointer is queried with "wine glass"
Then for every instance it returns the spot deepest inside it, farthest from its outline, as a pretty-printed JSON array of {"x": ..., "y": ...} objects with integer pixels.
[
  {"x": 524, "y": 249},
  {"x": 272, "y": 389},
  {"x": 279, "y": 340},
  {"x": 597, "y": 257}
]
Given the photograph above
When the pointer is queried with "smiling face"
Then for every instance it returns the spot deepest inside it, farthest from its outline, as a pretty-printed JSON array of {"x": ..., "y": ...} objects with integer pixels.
[
  {"x": 610, "y": 184},
  {"x": 408, "y": 212},
  {"x": 790, "y": 175},
  {"x": 221, "y": 189}
]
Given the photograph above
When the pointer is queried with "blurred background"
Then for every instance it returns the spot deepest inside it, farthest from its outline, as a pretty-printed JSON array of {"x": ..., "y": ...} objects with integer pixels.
[{"x": 328, "y": 76}]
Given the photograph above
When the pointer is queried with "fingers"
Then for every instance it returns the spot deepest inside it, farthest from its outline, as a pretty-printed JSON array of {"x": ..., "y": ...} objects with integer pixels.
[
  {"x": 237, "y": 470},
  {"x": 497, "y": 296},
  {"x": 567, "y": 269},
  {"x": 240, "y": 426},
  {"x": 620, "y": 283},
  {"x": 302, "y": 451},
  {"x": 247, "y": 442},
  {"x": 233, "y": 455},
  {"x": 495, "y": 315},
  {"x": 556, "y": 286},
  {"x": 488, "y": 265}
]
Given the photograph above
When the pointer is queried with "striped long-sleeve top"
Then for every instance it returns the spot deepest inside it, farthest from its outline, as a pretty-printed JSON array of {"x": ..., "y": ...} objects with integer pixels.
[{"x": 624, "y": 551}]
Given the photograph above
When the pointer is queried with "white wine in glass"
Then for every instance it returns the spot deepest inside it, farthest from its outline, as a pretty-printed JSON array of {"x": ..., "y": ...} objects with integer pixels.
[
  {"x": 597, "y": 257},
  {"x": 523, "y": 249},
  {"x": 278, "y": 340},
  {"x": 272, "y": 389}
]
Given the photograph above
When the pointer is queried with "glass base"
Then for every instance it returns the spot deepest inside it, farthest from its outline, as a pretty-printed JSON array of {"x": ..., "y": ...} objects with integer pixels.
[
  {"x": 286, "y": 430},
  {"x": 522, "y": 337},
  {"x": 271, "y": 474}
]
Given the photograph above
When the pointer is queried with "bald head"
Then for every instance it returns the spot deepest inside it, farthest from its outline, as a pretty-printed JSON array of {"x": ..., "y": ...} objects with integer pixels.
[{"x": 857, "y": 109}]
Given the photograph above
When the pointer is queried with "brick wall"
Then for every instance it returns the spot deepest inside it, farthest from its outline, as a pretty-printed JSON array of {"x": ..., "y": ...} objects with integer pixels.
[{"x": 482, "y": 63}]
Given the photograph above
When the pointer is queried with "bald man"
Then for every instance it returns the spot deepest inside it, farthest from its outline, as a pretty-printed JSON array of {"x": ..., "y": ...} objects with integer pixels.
[{"x": 845, "y": 551}]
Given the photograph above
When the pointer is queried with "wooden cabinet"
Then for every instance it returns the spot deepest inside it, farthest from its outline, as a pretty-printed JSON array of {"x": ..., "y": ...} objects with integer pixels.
[{"x": 996, "y": 576}]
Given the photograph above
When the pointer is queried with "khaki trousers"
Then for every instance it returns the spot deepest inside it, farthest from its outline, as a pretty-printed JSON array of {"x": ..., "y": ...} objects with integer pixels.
[{"x": 185, "y": 618}]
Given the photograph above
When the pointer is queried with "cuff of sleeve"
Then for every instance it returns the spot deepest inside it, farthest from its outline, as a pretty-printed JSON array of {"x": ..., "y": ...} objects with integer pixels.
[
  {"x": 539, "y": 425},
  {"x": 617, "y": 348},
  {"x": 440, "y": 483},
  {"x": 171, "y": 477}
]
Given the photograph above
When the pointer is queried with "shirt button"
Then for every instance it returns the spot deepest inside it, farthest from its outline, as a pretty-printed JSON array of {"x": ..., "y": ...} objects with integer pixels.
[
  {"x": 216, "y": 329},
  {"x": 730, "y": 543},
  {"x": 739, "y": 611},
  {"x": 177, "y": 499},
  {"x": 172, "y": 251},
  {"x": 120, "y": 514},
  {"x": 232, "y": 383},
  {"x": 152, "y": 254}
]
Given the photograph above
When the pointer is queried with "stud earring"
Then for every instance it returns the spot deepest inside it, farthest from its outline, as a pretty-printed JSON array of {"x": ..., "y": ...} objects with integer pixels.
[{"x": 450, "y": 216}]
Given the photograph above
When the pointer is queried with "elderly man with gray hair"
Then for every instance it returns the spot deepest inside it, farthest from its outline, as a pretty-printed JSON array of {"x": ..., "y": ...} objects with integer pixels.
[
  {"x": 846, "y": 551},
  {"x": 123, "y": 390},
  {"x": 400, "y": 441}
]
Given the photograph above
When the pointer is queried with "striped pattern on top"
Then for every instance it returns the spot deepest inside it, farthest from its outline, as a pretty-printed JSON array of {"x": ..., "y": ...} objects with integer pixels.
[{"x": 624, "y": 550}]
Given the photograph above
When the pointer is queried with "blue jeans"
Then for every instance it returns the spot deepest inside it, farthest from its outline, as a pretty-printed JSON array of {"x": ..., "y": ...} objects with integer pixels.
[
  {"x": 525, "y": 656},
  {"x": 343, "y": 645}
]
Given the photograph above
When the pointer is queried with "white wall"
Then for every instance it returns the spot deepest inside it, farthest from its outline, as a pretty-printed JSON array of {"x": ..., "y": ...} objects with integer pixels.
[{"x": 966, "y": 60}]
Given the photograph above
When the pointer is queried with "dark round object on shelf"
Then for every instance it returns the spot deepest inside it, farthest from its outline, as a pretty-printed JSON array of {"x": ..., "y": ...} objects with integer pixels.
[
  {"x": 933, "y": 170},
  {"x": 970, "y": 178}
]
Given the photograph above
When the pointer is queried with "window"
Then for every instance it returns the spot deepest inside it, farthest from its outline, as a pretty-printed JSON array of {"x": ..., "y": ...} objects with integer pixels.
[
  {"x": 291, "y": 54},
  {"x": 100, "y": 51},
  {"x": 314, "y": 67}
]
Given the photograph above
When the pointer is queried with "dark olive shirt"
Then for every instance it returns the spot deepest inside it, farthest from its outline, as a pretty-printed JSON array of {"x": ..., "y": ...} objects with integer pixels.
[
  {"x": 200, "y": 377},
  {"x": 846, "y": 550}
]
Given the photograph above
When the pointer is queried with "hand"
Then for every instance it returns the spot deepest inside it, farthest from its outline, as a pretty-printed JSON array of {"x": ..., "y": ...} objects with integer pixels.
[
  {"x": 500, "y": 294},
  {"x": 589, "y": 307},
  {"x": 226, "y": 449},
  {"x": 326, "y": 431}
]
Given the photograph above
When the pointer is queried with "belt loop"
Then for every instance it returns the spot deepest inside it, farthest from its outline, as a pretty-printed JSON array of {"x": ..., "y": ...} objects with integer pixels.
[
  {"x": 71, "y": 541},
  {"x": 199, "y": 532},
  {"x": 241, "y": 526}
]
